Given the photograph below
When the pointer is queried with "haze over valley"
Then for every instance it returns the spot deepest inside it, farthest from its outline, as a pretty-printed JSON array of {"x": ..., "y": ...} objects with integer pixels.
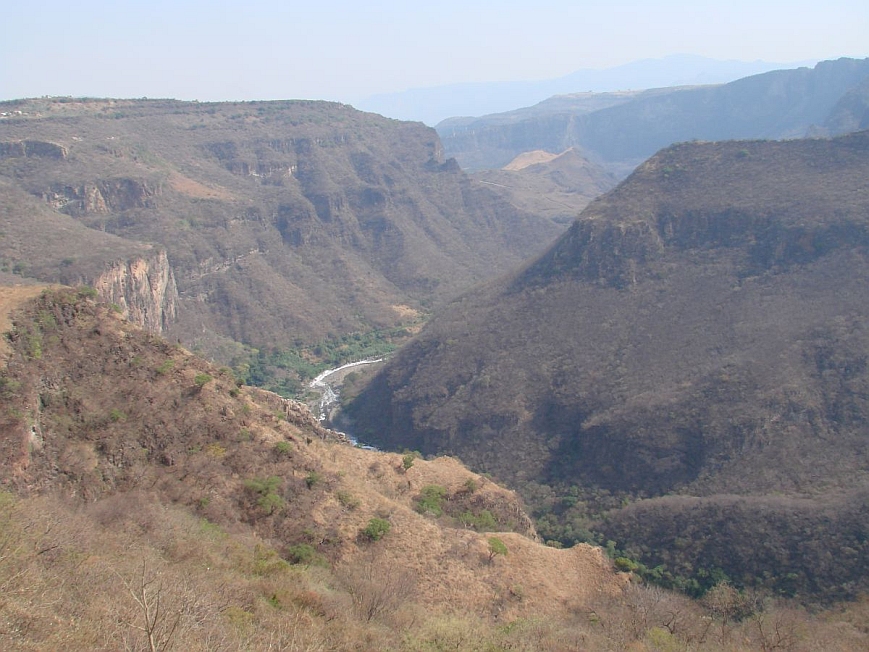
[{"x": 556, "y": 341}]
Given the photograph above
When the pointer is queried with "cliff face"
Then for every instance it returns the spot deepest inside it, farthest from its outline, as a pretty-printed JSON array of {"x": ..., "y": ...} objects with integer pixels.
[
  {"x": 144, "y": 288},
  {"x": 103, "y": 196},
  {"x": 32, "y": 149}
]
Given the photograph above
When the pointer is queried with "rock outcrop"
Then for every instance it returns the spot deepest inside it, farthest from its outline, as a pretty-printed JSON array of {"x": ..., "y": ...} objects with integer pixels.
[
  {"x": 103, "y": 196},
  {"x": 144, "y": 288},
  {"x": 32, "y": 149}
]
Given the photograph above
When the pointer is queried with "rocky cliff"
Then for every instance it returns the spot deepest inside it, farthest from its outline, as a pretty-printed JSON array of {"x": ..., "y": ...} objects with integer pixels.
[
  {"x": 144, "y": 288},
  {"x": 32, "y": 149}
]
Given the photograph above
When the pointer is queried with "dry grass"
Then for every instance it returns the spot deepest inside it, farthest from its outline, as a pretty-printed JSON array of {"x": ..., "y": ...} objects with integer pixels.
[
  {"x": 526, "y": 159},
  {"x": 192, "y": 188}
]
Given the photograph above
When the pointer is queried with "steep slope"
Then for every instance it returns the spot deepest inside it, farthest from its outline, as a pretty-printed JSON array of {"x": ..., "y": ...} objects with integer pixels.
[
  {"x": 699, "y": 330},
  {"x": 283, "y": 221},
  {"x": 778, "y": 104},
  {"x": 160, "y": 452}
]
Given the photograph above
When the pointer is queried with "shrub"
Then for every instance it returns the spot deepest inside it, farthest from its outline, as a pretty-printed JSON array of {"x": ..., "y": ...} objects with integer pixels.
[
  {"x": 165, "y": 366},
  {"x": 482, "y": 521},
  {"x": 347, "y": 499},
  {"x": 625, "y": 565},
  {"x": 266, "y": 488},
  {"x": 283, "y": 447},
  {"x": 214, "y": 449},
  {"x": 202, "y": 379},
  {"x": 305, "y": 553},
  {"x": 431, "y": 499},
  {"x": 376, "y": 529},
  {"x": 87, "y": 292},
  {"x": 312, "y": 478},
  {"x": 407, "y": 461}
]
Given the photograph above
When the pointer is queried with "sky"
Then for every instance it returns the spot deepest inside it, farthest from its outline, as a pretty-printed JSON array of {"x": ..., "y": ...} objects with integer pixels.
[{"x": 345, "y": 51}]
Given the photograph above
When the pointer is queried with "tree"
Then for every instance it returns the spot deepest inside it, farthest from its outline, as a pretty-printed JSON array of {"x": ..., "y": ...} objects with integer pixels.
[{"x": 496, "y": 547}]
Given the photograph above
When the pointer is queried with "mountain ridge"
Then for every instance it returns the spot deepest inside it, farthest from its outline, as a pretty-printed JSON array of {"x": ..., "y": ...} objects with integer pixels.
[
  {"x": 698, "y": 331},
  {"x": 435, "y": 104},
  {"x": 776, "y": 104}
]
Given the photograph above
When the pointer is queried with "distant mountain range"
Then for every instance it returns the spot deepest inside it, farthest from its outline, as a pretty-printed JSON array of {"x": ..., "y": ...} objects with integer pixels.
[
  {"x": 432, "y": 105},
  {"x": 620, "y": 130}
]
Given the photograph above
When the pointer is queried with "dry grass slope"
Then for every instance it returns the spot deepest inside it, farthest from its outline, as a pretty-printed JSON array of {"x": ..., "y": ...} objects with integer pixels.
[{"x": 135, "y": 472}]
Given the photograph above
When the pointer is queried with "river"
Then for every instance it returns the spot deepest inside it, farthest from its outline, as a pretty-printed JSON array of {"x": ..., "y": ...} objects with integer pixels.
[{"x": 330, "y": 393}]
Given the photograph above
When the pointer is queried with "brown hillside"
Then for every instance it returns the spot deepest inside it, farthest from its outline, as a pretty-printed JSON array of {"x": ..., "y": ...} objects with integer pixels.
[
  {"x": 700, "y": 330},
  {"x": 123, "y": 430},
  {"x": 284, "y": 222}
]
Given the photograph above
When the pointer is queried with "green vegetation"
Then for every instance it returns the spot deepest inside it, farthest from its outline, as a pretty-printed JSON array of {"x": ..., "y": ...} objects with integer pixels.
[
  {"x": 407, "y": 461},
  {"x": 304, "y": 553},
  {"x": 285, "y": 371},
  {"x": 431, "y": 499},
  {"x": 266, "y": 491},
  {"x": 283, "y": 448},
  {"x": 165, "y": 366},
  {"x": 347, "y": 499},
  {"x": 482, "y": 522},
  {"x": 376, "y": 529},
  {"x": 496, "y": 548},
  {"x": 86, "y": 291},
  {"x": 202, "y": 379},
  {"x": 313, "y": 478}
]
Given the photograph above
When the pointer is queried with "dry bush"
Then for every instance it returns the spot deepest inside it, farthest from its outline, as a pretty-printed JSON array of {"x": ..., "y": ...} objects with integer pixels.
[{"x": 378, "y": 587}]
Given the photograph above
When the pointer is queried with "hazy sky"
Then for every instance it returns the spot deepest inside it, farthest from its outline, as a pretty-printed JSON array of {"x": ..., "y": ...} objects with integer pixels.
[{"x": 326, "y": 49}]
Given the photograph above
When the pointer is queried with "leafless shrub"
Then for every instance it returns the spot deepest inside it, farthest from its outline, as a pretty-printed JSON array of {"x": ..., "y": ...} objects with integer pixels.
[
  {"x": 377, "y": 586},
  {"x": 158, "y": 608}
]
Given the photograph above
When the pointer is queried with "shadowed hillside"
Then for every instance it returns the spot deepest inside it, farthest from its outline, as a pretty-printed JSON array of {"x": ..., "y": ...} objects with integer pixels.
[{"x": 698, "y": 331}]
